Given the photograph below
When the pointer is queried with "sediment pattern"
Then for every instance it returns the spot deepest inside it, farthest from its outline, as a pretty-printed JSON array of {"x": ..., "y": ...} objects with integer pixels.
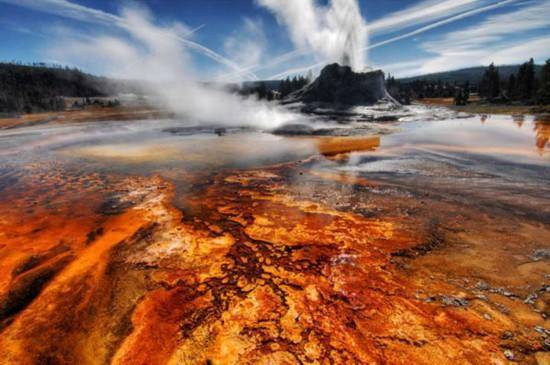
[{"x": 284, "y": 265}]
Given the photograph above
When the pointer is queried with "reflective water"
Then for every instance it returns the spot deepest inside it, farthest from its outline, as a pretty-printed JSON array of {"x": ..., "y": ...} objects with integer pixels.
[
  {"x": 473, "y": 145},
  {"x": 152, "y": 145}
]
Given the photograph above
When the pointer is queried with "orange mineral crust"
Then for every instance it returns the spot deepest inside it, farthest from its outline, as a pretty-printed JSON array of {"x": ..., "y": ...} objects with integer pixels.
[{"x": 280, "y": 265}]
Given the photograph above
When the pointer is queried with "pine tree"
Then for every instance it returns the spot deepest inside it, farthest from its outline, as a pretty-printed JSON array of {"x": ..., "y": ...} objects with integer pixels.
[
  {"x": 543, "y": 92},
  {"x": 489, "y": 87},
  {"x": 511, "y": 87},
  {"x": 526, "y": 81}
]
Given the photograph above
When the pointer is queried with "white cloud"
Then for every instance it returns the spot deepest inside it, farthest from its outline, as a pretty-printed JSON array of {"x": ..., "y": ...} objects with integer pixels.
[
  {"x": 67, "y": 9},
  {"x": 538, "y": 48},
  {"x": 439, "y": 23},
  {"x": 402, "y": 71},
  {"x": 492, "y": 40},
  {"x": 495, "y": 28},
  {"x": 421, "y": 13},
  {"x": 247, "y": 45},
  {"x": 447, "y": 11}
]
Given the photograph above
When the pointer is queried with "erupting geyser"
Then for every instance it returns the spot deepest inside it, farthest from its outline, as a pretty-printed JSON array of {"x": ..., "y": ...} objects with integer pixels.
[{"x": 334, "y": 33}]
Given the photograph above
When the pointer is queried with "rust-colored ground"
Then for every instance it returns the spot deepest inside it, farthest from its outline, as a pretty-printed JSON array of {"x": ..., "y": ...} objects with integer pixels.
[
  {"x": 279, "y": 265},
  {"x": 90, "y": 113}
]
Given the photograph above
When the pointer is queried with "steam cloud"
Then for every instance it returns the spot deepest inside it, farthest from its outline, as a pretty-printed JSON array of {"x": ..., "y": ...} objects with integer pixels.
[
  {"x": 156, "y": 54},
  {"x": 336, "y": 33}
]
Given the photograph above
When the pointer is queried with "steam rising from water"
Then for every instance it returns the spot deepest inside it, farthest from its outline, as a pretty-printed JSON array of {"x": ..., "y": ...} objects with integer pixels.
[
  {"x": 155, "y": 54},
  {"x": 336, "y": 33}
]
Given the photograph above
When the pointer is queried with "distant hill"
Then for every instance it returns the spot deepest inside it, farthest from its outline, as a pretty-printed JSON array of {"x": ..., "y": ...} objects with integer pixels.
[
  {"x": 472, "y": 75},
  {"x": 40, "y": 87}
]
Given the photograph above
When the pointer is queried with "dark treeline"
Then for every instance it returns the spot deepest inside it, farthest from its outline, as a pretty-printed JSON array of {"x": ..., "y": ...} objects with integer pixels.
[
  {"x": 39, "y": 87},
  {"x": 288, "y": 86},
  {"x": 522, "y": 87},
  {"x": 404, "y": 92},
  {"x": 284, "y": 88}
]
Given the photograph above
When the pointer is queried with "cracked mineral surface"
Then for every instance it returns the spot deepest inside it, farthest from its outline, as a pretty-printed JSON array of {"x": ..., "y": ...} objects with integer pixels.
[{"x": 133, "y": 245}]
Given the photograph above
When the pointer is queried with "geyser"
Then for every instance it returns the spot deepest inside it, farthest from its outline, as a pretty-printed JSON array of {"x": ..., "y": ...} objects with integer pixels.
[
  {"x": 340, "y": 85},
  {"x": 334, "y": 33}
]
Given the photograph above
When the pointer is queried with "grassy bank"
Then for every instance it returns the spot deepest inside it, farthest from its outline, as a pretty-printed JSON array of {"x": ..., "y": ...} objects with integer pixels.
[{"x": 476, "y": 107}]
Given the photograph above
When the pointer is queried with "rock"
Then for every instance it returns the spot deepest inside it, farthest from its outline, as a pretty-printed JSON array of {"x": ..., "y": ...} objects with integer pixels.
[
  {"x": 531, "y": 298},
  {"x": 193, "y": 130},
  {"x": 543, "y": 331},
  {"x": 502, "y": 291},
  {"x": 540, "y": 254},
  {"x": 482, "y": 285},
  {"x": 509, "y": 354},
  {"x": 294, "y": 130},
  {"x": 220, "y": 131},
  {"x": 502, "y": 308},
  {"x": 339, "y": 85},
  {"x": 386, "y": 118},
  {"x": 454, "y": 301},
  {"x": 482, "y": 297}
]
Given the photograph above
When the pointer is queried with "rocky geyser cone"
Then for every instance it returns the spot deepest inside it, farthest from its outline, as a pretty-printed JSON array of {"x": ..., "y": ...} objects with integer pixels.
[{"x": 340, "y": 85}]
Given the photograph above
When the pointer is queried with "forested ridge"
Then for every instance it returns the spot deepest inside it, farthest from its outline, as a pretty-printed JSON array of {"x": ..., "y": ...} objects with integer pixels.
[
  {"x": 525, "y": 84},
  {"x": 40, "y": 87}
]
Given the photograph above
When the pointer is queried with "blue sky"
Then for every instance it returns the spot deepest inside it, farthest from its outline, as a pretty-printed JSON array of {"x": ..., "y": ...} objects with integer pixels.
[{"x": 406, "y": 37}]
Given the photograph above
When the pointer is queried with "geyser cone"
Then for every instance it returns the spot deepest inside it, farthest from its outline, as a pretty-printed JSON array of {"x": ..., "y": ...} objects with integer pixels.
[{"x": 340, "y": 85}]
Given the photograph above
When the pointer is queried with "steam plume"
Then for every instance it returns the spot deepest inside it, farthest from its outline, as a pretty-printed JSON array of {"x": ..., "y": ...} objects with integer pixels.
[
  {"x": 336, "y": 32},
  {"x": 156, "y": 54}
]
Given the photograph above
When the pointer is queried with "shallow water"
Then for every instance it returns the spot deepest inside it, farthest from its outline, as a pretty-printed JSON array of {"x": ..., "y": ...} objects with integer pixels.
[
  {"x": 454, "y": 148},
  {"x": 150, "y": 144},
  {"x": 155, "y": 243}
]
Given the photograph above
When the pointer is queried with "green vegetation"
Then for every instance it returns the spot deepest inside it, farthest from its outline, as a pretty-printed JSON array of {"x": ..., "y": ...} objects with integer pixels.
[
  {"x": 38, "y": 87},
  {"x": 489, "y": 87},
  {"x": 523, "y": 85},
  {"x": 271, "y": 90},
  {"x": 288, "y": 86},
  {"x": 543, "y": 93}
]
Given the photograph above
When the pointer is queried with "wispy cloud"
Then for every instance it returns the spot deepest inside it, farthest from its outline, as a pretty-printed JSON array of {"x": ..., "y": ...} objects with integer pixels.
[
  {"x": 406, "y": 68},
  {"x": 67, "y": 9},
  {"x": 440, "y": 23},
  {"x": 246, "y": 45},
  {"x": 21, "y": 29},
  {"x": 424, "y": 12},
  {"x": 402, "y": 69},
  {"x": 495, "y": 28},
  {"x": 502, "y": 38}
]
